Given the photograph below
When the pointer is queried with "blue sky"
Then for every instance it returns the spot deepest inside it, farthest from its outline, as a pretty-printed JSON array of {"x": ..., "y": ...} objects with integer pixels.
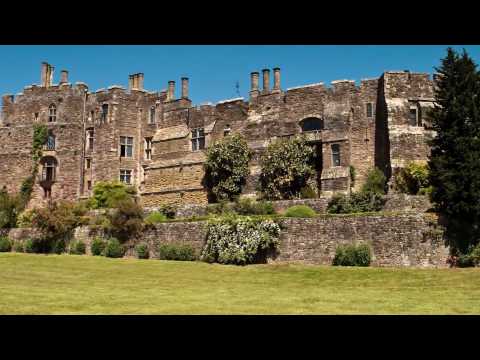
[{"x": 213, "y": 70}]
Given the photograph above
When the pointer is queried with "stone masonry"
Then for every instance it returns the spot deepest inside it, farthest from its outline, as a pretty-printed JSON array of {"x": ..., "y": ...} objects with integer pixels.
[{"x": 157, "y": 142}]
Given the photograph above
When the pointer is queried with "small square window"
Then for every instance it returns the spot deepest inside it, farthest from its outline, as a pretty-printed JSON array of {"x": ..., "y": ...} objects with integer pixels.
[
  {"x": 198, "y": 139},
  {"x": 126, "y": 176}
]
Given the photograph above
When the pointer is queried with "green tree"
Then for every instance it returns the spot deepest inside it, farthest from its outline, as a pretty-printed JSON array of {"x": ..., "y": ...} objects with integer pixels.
[
  {"x": 9, "y": 209},
  {"x": 226, "y": 167},
  {"x": 455, "y": 151},
  {"x": 287, "y": 166},
  {"x": 107, "y": 194}
]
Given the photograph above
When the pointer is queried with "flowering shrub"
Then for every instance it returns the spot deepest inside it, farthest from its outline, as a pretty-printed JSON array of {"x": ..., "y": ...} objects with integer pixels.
[{"x": 239, "y": 240}]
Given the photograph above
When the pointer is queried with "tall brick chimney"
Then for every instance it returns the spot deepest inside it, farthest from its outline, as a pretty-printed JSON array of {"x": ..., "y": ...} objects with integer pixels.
[
  {"x": 140, "y": 81},
  {"x": 184, "y": 88},
  {"x": 64, "y": 77},
  {"x": 47, "y": 74},
  {"x": 266, "y": 81},
  {"x": 254, "y": 84},
  {"x": 276, "y": 79},
  {"x": 130, "y": 82},
  {"x": 171, "y": 91}
]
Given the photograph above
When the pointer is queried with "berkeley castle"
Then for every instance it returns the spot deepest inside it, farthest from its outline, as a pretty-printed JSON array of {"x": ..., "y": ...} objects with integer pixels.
[{"x": 156, "y": 141}]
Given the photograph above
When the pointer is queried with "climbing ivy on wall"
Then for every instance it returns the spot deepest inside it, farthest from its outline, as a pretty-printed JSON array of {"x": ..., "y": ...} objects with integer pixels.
[{"x": 40, "y": 133}]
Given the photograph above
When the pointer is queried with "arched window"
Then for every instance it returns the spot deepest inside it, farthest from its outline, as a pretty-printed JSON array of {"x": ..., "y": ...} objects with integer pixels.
[
  {"x": 311, "y": 124},
  {"x": 52, "y": 113},
  {"x": 227, "y": 130},
  {"x": 49, "y": 169},
  {"x": 50, "y": 141}
]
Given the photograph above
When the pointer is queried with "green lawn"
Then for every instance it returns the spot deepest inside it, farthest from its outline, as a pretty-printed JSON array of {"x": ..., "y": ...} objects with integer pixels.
[{"x": 69, "y": 284}]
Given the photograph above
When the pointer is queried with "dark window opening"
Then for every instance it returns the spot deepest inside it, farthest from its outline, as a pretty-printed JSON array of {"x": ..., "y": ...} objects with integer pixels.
[
  {"x": 89, "y": 184},
  {"x": 36, "y": 117},
  {"x": 152, "y": 115},
  {"x": 126, "y": 146},
  {"x": 311, "y": 124},
  {"x": 89, "y": 163},
  {"x": 49, "y": 166},
  {"x": 369, "y": 110},
  {"x": 104, "y": 113},
  {"x": 148, "y": 148},
  {"x": 92, "y": 115},
  {"x": 126, "y": 176},
  {"x": 413, "y": 117},
  {"x": 336, "y": 155},
  {"x": 52, "y": 113},
  {"x": 198, "y": 139}
]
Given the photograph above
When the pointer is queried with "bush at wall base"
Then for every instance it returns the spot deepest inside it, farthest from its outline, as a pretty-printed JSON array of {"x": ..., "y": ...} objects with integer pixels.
[
  {"x": 302, "y": 211},
  {"x": 176, "y": 252},
  {"x": 97, "y": 247},
  {"x": 77, "y": 248},
  {"x": 142, "y": 251},
  {"x": 114, "y": 249},
  {"x": 5, "y": 244},
  {"x": 351, "y": 255},
  {"x": 18, "y": 246}
]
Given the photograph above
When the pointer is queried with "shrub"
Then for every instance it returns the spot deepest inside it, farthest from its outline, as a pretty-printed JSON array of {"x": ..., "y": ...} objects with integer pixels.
[
  {"x": 307, "y": 192},
  {"x": 176, "y": 252},
  {"x": 413, "y": 179},
  {"x": 107, "y": 194},
  {"x": 98, "y": 246},
  {"x": 18, "y": 246},
  {"x": 168, "y": 211},
  {"x": 155, "y": 217},
  {"x": 226, "y": 167},
  {"x": 24, "y": 220},
  {"x": 59, "y": 246},
  {"x": 302, "y": 211},
  {"x": 114, "y": 249},
  {"x": 376, "y": 182},
  {"x": 246, "y": 206},
  {"x": 31, "y": 246},
  {"x": 239, "y": 240},
  {"x": 9, "y": 209},
  {"x": 5, "y": 244},
  {"x": 464, "y": 261},
  {"x": 142, "y": 251},
  {"x": 286, "y": 167},
  {"x": 77, "y": 248},
  {"x": 353, "y": 174},
  {"x": 127, "y": 220},
  {"x": 221, "y": 208},
  {"x": 356, "y": 203},
  {"x": 351, "y": 255}
]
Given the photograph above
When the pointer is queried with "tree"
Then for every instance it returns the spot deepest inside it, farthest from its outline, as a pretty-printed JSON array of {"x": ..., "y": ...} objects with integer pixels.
[
  {"x": 107, "y": 194},
  {"x": 226, "y": 167},
  {"x": 287, "y": 166},
  {"x": 455, "y": 151}
]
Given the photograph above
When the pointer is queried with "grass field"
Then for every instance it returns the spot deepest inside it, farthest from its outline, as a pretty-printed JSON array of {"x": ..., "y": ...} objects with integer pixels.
[{"x": 69, "y": 284}]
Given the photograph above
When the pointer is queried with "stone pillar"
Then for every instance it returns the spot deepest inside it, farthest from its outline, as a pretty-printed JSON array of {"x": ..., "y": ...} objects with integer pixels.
[
  {"x": 266, "y": 81},
  {"x": 184, "y": 88},
  {"x": 276, "y": 79},
  {"x": 254, "y": 84},
  {"x": 47, "y": 74},
  {"x": 64, "y": 77},
  {"x": 171, "y": 91}
]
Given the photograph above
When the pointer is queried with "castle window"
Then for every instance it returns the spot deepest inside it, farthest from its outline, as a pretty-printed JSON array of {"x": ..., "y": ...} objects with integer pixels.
[
  {"x": 90, "y": 138},
  {"x": 126, "y": 146},
  {"x": 311, "y": 124},
  {"x": 89, "y": 184},
  {"x": 148, "y": 148},
  {"x": 227, "y": 130},
  {"x": 49, "y": 169},
  {"x": 126, "y": 176},
  {"x": 52, "y": 113},
  {"x": 104, "y": 113},
  {"x": 198, "y": 139},
  {"x": 412, "y": 116},
  {"x": 369, "y": 110},
  {"x": 92, "y": 116},
  {"x": 151, "y": 119},
  {"x": 50, "y": 141},
  {"x": 35, "y": 118},
  {"x": 336, "y": 155},
  {"x": 89, "y": 163}
]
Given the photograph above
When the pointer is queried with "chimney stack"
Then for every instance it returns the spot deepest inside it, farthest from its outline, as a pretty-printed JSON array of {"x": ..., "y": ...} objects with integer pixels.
[
  {"x": 184, "y": 88},
  {"x": 64, "y": 77},
  {"x": 130, "y": 82},
  {"x": 254, "y": 84},
  {"x": 135, "y": 81},
  {"x": 266, "y": 81},
  {"x": 171, "y": 91},
  {"x": 140, "y": 81},
  {"x": 47, "y": 74},
  {"x": 276, "y": 79}
]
